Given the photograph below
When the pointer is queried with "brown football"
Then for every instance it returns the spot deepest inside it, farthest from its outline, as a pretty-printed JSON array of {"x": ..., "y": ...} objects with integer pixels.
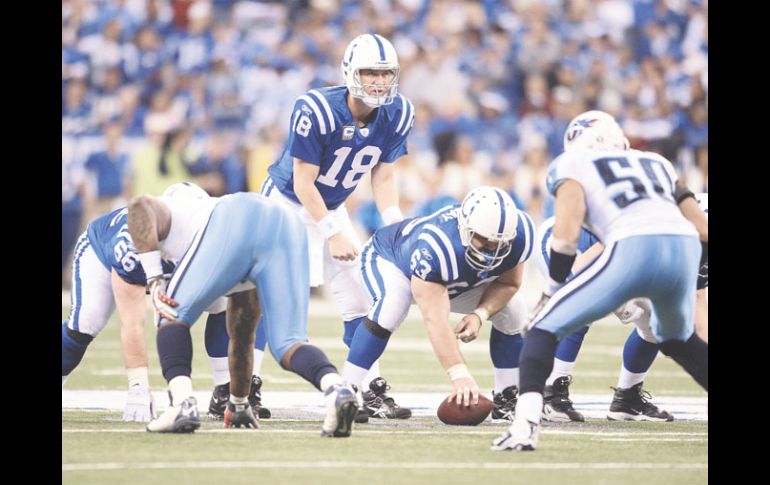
[{"x": 452, "y": 413}]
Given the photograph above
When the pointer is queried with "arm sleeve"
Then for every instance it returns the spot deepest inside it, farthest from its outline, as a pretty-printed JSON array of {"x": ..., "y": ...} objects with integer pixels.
[
  {"x": 404, "y": 120},
  {"x": 305, "y": 138},
  {"x": 425, "y": 264}
]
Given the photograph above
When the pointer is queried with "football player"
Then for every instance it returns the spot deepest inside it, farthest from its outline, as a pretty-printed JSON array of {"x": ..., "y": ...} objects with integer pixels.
[
  {"x": 255, "y": 251},
  {"x": 108, "y": 274},
  {"x": 336, "y": 136},
  {"x": 466, "y": 258},
  {"x": 628, "y": 198}
]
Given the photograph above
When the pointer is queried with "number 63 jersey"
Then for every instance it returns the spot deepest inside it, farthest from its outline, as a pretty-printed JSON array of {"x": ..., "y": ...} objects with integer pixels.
[
  {"x": 627, "y": 193},
  {"x": 323, "y": 132}
]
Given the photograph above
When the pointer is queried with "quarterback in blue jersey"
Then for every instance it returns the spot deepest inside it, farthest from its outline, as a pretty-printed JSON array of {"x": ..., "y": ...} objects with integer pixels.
[
  {"x": 255, "y": 251},
  {"x": 632, "y": 200},
  {"x": 464, "y": 258},
  {"x": 336, "y": 136}
]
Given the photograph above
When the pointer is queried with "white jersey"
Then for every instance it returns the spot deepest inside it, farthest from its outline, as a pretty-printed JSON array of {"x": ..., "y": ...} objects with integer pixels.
[
  {"x": 627, "y": 193},
  {"x": 188, "y": 215}
]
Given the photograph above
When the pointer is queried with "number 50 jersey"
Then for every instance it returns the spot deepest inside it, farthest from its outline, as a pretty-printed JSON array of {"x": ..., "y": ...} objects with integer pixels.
[
  {"x": 324, "y": 133},
  {"x": 627, "y": 193}
]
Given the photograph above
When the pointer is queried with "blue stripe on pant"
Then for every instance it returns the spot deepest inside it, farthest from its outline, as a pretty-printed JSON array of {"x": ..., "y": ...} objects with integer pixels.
[{"x": 663, "y": 268}]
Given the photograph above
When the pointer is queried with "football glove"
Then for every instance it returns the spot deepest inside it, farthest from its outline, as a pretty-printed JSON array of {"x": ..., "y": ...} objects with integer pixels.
[
  {"x": 140, "y": 405},
  {"x": 162, "y": 304}
]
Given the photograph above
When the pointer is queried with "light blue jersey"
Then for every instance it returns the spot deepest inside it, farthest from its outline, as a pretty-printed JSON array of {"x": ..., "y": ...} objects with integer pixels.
[
  {"x": 324, "y": 133},
  {"x": 430, "y": 248},
  {"x": 112, "y": 244}
]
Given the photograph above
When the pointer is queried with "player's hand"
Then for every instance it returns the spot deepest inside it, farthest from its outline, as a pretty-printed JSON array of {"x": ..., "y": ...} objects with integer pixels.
[
  {"x": 341, "y": 248},
  {"x": 163, "y": 305},
  {"x": 465, "y": 391},
  {"x": 534, "y": 313},
  {"x": 468, "y": 328},
  {"x": 629, "y": 312},
  {"x": 140, "y": 405}
]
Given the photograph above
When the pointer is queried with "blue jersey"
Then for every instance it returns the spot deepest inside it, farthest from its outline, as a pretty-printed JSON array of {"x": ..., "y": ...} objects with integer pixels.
[
  {"x": 430, "y": 249},
  {"x": 113, "y": 246},
  {"x": 585, "y": 241},
  {"x": 324, "y": 133}
]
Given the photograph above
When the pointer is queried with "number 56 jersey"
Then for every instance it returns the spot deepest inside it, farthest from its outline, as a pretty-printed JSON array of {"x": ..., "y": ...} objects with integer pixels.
[
  {"x": 627, "y": 193},
  {"x": 323, "y": 132}
]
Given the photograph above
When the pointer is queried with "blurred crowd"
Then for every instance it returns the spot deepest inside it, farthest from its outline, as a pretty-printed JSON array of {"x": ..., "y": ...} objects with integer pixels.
[{"x": 160, "y": 91}]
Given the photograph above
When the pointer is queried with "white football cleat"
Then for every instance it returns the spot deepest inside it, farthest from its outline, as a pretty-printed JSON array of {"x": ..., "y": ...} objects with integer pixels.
[
  {"x": 341, "y": 410},
  {"x": 521, "y": 435},
  {"x": 178, "y": 419}
]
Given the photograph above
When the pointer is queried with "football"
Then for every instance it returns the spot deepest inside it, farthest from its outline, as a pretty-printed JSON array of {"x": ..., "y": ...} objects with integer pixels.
[{"x": 454, "y": 414}]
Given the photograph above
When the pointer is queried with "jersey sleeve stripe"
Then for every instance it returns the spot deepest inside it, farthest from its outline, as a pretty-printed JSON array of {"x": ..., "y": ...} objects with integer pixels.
[
  {"x": 317, "y": 111},
  {"x": 327, "y": 108},
  {"x": 529, "y": 229},
  {"x": 439, "y": 254},
  {"x": 411, "y": 117},
  {"x": 403, "y": 112},
  {"x": 448, "y": 247},
  {"x": 294, "y": 122}
]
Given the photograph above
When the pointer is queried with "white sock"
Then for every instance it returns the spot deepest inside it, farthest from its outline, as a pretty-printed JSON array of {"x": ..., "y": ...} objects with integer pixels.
[
  {"x": 374, "y": 373},
  {"x": 330, "y": 379},
  {"x": 561, "y": 368},
  {"x": 529, "y": 406},
  {"x": 505, "y": 378},
  {"x": 354, "y": 374},
  {"x": 137, "y": 376},
  {"x": 258, "y": 356},
  {"x": 181, "y": 388},
  {"x": 628, "y": 379},
  {"x": 221, "y": 370}
]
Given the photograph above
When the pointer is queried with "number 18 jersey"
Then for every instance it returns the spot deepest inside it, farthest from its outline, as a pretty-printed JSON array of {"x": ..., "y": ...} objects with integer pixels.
[
  {"x": 324, "y": 133},
  {"x": 627, "y": 193}
]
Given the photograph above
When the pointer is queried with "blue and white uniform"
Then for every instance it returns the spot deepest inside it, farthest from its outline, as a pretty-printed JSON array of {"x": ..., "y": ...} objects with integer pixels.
[
  {"x": 324, "y": 133},
  {"x": 105, "y": 245},
  {"x": 430, "y": 249},
  {"x": 651, "y": 250}
]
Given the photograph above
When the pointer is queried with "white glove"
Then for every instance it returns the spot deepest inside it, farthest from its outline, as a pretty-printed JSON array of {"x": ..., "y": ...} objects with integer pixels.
[
  {"x": 140, "y": 405},
  {"x": 629, "y": 312},
  {"x": 163, "y": 305}
]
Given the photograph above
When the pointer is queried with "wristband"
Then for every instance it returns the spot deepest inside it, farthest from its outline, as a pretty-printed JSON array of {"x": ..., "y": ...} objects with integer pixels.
[
  {"x": 392, "y": 214},
  {"x": 482, "y": 313},
  {"x": 151, "y": 264},
  {"x": 458, "y": 371},
  {"x": 329, "y": 226}
]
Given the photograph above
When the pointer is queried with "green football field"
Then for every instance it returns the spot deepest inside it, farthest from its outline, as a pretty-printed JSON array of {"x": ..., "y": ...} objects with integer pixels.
[{"x": 98, "y": 448}]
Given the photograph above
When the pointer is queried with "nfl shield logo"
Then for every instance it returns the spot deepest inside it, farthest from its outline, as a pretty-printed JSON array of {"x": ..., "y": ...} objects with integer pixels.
[
  {"x": 364, "y": 131},
  {"x": 348, "y": 132}
]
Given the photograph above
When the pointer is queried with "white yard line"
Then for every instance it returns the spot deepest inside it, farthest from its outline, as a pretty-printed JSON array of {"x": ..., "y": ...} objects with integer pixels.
[{"x": 386, "y": 465}]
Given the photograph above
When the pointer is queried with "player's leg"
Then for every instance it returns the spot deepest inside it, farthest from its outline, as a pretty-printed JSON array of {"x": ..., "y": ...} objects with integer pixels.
[
  {"x": 630, "y": 401},
  {"x": 590, "y": 295},
  {"x": 673, "y": 306},
  {"x": 350, "y": 294},
  {"x": 284, "y": 293},
  {"x": 389, "y": 294},
  {"x": 557, "y": 405},
  {"x": 91, "y": 304}
]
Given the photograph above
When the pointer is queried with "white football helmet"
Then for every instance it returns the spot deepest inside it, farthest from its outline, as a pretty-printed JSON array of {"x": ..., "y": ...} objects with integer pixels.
[
  {"x": 185, "y": 190},
  {"x": 594, "y": 130},
  {"x": 703, "y": 201},
  {"x": 370, "y": 51},
  {"x": 492, "y": 214}
]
